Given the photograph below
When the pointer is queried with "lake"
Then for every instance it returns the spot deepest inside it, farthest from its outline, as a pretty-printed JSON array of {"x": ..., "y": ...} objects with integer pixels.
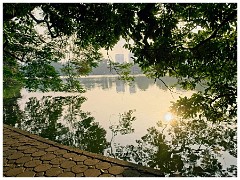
[{"x": 132, "y": 122}]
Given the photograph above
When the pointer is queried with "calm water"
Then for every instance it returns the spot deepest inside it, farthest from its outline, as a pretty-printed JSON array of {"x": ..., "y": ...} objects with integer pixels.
[{"x": 126, "y": 121}]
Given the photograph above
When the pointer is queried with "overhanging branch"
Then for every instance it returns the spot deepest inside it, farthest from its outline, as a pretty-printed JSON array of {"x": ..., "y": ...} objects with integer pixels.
[
  {"x": 35, "y": 19},
  {"x": 213, "y": 35},
  {"x": 11, "y": 54},
  {"x": 47, "y": 23}
]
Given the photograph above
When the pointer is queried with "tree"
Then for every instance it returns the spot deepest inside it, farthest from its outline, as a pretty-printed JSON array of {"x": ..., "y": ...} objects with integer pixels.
[
  {"x": 196, "y": 43},
  {"x": 34, "y": 51},
  {"x": 164, "y": 35},
  {"x": 59, "y": 119},
  {"x": 183, "y": 147},
  {"x": 166, "y": 44},
  {"x": 11, "y": 110}
]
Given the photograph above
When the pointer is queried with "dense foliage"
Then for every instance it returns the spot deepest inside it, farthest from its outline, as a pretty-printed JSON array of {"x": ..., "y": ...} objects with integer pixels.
[
  {"x": 196, "y": 43},
  {"x": 165, "y": 38},
  {"x": 46, "y": 116},
  {"x": 182, "y": 147}
]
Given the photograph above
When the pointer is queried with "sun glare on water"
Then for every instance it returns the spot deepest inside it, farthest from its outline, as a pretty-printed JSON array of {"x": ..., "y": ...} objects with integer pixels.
[{"x": 168, "y": 116}]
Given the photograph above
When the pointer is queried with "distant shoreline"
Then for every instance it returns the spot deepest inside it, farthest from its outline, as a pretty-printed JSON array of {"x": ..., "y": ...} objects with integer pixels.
[{"x": 104, "y": 75}]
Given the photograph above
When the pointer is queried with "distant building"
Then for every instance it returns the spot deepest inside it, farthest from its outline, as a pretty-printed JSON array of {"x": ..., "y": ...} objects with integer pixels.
[{"x": 119, "y": 58}]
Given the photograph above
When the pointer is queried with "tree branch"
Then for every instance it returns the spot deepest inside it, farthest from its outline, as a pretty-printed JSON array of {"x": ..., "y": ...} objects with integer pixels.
[
  {"x": 35, "y": 19},
  {"x": 14, "y": 55},
  {"x": 6, "y": 42},
  {"x": 44, "y": 21},
  {"x": 223, "y": 95},
  {"x": 49, "y": 29},
  {"x": 166, "y": 86},
  {"x": 213, "y": 35}
]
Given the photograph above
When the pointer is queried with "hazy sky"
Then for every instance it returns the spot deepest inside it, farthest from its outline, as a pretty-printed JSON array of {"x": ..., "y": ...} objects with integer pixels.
[{"x": 118, "y": 49}]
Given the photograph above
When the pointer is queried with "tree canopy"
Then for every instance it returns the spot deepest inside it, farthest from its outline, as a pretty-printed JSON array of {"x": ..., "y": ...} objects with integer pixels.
[{"x": 194, "y": 42}]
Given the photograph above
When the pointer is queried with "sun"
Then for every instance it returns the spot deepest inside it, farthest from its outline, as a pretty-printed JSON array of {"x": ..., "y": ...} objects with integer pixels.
[{"x": 168, "y": 116}]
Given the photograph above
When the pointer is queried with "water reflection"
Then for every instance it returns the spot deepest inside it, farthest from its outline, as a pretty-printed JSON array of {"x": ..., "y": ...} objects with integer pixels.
[
  {"x": 59, "y": 119},
  {"x": 188, "y": 147},
  {"x": 120, "y": 86},
  {"x": 132, "y": 88},
  {"x": 141, "y": 82},
  {"x": 123, "y": 127},
  {"x": 11, "y": 111},
  {"x": 185, "y": 148}
]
